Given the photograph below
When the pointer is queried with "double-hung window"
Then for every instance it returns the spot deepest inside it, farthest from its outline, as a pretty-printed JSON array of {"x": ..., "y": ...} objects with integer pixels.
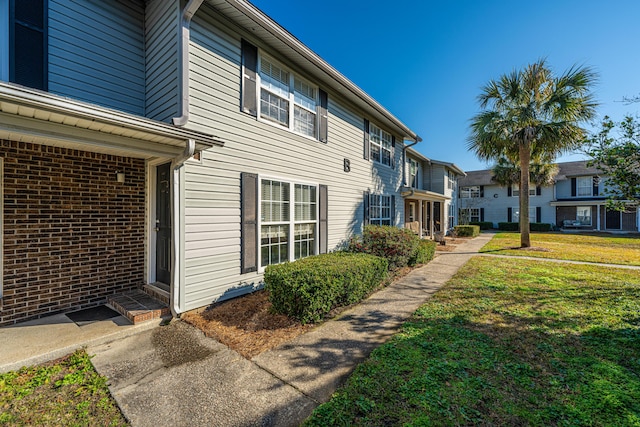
[
  {"x": 470, "y": 192},
  {"x": 379, "y": 209},
  {"x": 381, "y": 145},
  {"x": 583, "y": 214},
  {"x": 584, "y": 186},
  {"x": 515, "y": 190},
  {"x": 470, "y": 214},
  {"x": 413, "y": 173},
  {"x": 516, "y": 214},
  {"x": 451, "y": 180},
  {"x": 288, "y": 221},
  {"x": 286, "y": 99}
]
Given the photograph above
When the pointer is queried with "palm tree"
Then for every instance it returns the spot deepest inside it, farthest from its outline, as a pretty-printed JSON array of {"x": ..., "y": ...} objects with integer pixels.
[
  {"x": 532, "y": 114},
  {"x": 507, "y": 172}
]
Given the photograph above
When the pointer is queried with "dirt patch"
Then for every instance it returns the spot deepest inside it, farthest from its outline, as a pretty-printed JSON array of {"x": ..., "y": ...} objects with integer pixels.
[
  {"x": 446, "y": 248},
  {"x": 247, "y": 325}
]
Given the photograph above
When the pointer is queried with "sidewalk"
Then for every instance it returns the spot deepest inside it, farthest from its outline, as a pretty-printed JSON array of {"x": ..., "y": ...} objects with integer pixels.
[{"x": 175, "y": 375}]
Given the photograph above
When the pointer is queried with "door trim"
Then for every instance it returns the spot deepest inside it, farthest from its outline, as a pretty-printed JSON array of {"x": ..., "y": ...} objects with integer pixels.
[{"x": 150, "y": 221}]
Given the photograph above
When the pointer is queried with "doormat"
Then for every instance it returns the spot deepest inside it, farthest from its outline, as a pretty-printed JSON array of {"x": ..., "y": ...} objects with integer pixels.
[{"x": 91, "y": 315}]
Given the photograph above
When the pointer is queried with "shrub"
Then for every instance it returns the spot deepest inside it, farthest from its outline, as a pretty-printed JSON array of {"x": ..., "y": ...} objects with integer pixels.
[
  {"x": 311, "y": 287},
  {"x": 484, "y": 225},
  {"x": 424, "y": 253},
  {"x": 508, "y": 226},
  {"x": 539, "y": 226},
  {"x": 466, "y": 230},
  {"x": 397, "y": 245}
]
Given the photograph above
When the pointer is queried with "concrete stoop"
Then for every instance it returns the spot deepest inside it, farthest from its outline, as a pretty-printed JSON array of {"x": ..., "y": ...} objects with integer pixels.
[{"x": 139, "y": 306}]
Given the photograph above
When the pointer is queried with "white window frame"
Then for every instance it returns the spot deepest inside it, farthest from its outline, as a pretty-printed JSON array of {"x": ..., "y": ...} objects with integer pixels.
[
  {"x": 470, "y": 192},
  {"x": 377, "y": 204},
  {"x": 291, "y": 97},
  {"x": 587, "y": 208},
  {"x": 516, "y": 214},
  {"x": 470, "y": 214},
  {"x": 384, "y": 137},
  {"x": 291, "y": 221},
  {"x": 413, "y": 173},
  {"x": 451, "y": 179},
  {"x": 515, "y": 190},
  {"x": 589, "y": 187}
]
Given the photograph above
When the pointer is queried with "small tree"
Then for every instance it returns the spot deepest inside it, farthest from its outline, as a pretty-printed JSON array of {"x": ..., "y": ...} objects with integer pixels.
[{"x": 618, "y": 157}]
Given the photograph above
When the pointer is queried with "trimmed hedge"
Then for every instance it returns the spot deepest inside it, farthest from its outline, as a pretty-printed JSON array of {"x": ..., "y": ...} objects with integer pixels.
[
  {"x": 484, "y": 225},
  {"x": 397, "y": 245},
  {"x": 309, "y": 288},
  {"x": 466, "y": 230},
  {"x": 508, "y": 226},
  {"x": 533, "y": 226},
  {"x": 424, "y": 253}
]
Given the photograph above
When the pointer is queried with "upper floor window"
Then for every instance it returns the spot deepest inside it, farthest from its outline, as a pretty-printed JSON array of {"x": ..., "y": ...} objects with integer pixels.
[
  {"x": 584, "y": 186},
  {"x": 381, "y": 145},
  {"x": 286, "y": 99},
  {"x": 470, "y": 192},
  {"x": 413, "y": 173},
  {"x": 451, "y": 180},
  {"x": 28, "y": 53},
  {"x": 515, "y": 190}
]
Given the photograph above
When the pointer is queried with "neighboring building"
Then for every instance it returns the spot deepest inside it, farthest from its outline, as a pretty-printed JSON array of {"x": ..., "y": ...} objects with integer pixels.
[
  {"x": 182, "y": 149},
  {"x": 430, "y": 194},
  {"x": 575, "y": 200}
]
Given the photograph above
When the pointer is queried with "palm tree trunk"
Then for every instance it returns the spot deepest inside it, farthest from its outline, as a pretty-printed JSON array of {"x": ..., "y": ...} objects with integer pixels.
[{"x": 525, "y": 159}]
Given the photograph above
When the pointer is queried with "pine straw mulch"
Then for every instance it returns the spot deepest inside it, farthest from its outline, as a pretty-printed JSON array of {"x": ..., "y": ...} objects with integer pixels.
[{"x": 247, "y": 325}]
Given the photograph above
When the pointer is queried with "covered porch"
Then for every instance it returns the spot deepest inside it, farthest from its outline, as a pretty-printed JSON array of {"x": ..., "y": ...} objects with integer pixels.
[
  {"x": 424, "y": 211},
  {"x": 593, "y": 215}
]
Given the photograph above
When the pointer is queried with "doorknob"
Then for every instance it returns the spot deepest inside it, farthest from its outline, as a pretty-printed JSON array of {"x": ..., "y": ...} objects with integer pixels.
[{"x": 157, "y": 227}]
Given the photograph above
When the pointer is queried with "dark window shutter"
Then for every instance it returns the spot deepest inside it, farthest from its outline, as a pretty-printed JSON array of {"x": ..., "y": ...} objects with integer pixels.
[
  {"x": 249, "y": 67},
  {"x": 393, "y": 210},
  {"x": 509, "y": 192},
  {"x": 393, "y": 152},
  {"x": 509, "y": 214},
  {"x": 324, "y": 116},
  {"x": 481, "y": 214},
  {"x": 538, "y": 190},
  {"x": 366, "y": 139},
  {"x": 28, "y": 43},
  {"x": 573, "y": 187},
  {"x": 323, "y": 211},
  {"x": 538, "y": 214},
  {"x": 249, "y": 222},
  {"x": 365, "y": 207},
  {"x": 596, "y": 181},
  {"x": 482, "y": 191}
]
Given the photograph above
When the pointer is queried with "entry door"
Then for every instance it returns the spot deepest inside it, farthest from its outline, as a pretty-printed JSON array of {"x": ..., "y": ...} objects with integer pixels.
[
  {"x": 437, "y": 216},
  {"x": 612, "y": 220},
  {"x": 163, "y": 224}
]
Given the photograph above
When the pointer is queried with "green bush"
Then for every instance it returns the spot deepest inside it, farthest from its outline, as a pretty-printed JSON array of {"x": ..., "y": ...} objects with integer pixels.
[
  {"x": 311, "y": 287},
  {"x": 508, "y": 226},
  {"x": 424, "y": 253},
  {"x": 466, "y": 230},
  {"x": 484, "y": 225},
  {"x": 539, "y": 226},
  {"x": 397, "y": 245}
]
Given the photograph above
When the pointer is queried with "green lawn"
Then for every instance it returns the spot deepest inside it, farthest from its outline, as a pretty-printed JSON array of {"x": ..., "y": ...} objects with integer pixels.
[
  {"x": 603, "y": 248},
  {"x": 507, "y": 342},
  {"x": 66, "y": 392}
]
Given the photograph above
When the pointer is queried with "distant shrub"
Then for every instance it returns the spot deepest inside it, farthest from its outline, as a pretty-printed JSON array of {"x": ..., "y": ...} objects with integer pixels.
[
  {"x": 466, "y": 230},
  {"x": 397, "y": 245},
  {"x": 540, "y": 226},
  {"x": 508, "y": 226},
  {"x": 484, "y": 225},
  {"x": 309, "y": 288},
  {"x": 424, "y": 253}
]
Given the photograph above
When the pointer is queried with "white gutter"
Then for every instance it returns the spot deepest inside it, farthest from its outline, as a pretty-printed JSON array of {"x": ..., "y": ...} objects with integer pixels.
[
  {"x": 176, "y": 216},
  {"x": 183, "y": 61}
]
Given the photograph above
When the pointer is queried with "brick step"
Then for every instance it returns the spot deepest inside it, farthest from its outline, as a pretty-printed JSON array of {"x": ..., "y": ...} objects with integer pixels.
[
  {"x": 158, "y": 293},
  {"x": 138, "y": 306}
]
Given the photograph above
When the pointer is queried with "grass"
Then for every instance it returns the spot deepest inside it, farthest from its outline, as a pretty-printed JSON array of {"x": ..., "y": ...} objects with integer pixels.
[
  {"x": 602, "y": 248},
  {"x": 506, "y": 342},
  {"x": 66, "y": 392}
]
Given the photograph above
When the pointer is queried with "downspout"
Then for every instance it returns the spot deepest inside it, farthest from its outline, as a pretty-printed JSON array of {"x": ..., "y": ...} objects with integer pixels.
[
  {"x": 404, "y": 159},
  {"x": 183, "y": 61},
  {"x": 176, "y": 212}
]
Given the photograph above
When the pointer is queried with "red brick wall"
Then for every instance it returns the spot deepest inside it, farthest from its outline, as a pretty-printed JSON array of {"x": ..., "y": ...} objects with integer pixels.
[{"x": 72, "y": 234}]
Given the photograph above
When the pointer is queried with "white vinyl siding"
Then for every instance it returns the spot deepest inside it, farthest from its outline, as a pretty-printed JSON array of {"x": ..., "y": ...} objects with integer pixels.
[{"x": 286, "y": 99}]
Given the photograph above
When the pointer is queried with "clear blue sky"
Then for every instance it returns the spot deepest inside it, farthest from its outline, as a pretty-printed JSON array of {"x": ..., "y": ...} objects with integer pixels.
[{"x": 425, "y": 61}]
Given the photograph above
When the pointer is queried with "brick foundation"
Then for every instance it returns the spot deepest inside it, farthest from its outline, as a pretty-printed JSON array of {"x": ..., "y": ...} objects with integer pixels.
[{"x": 72, "y": 234}]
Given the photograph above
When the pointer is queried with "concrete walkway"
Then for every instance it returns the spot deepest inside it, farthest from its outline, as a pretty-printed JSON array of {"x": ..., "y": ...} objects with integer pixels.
[{"x": 174, "y": 375}]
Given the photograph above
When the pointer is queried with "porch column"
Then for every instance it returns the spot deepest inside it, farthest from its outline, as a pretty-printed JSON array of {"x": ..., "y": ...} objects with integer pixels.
[
  {"x": 420, "y": 217},
  {"x": 431, "y": 220},
  {"x": 598, "y": 217}
]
